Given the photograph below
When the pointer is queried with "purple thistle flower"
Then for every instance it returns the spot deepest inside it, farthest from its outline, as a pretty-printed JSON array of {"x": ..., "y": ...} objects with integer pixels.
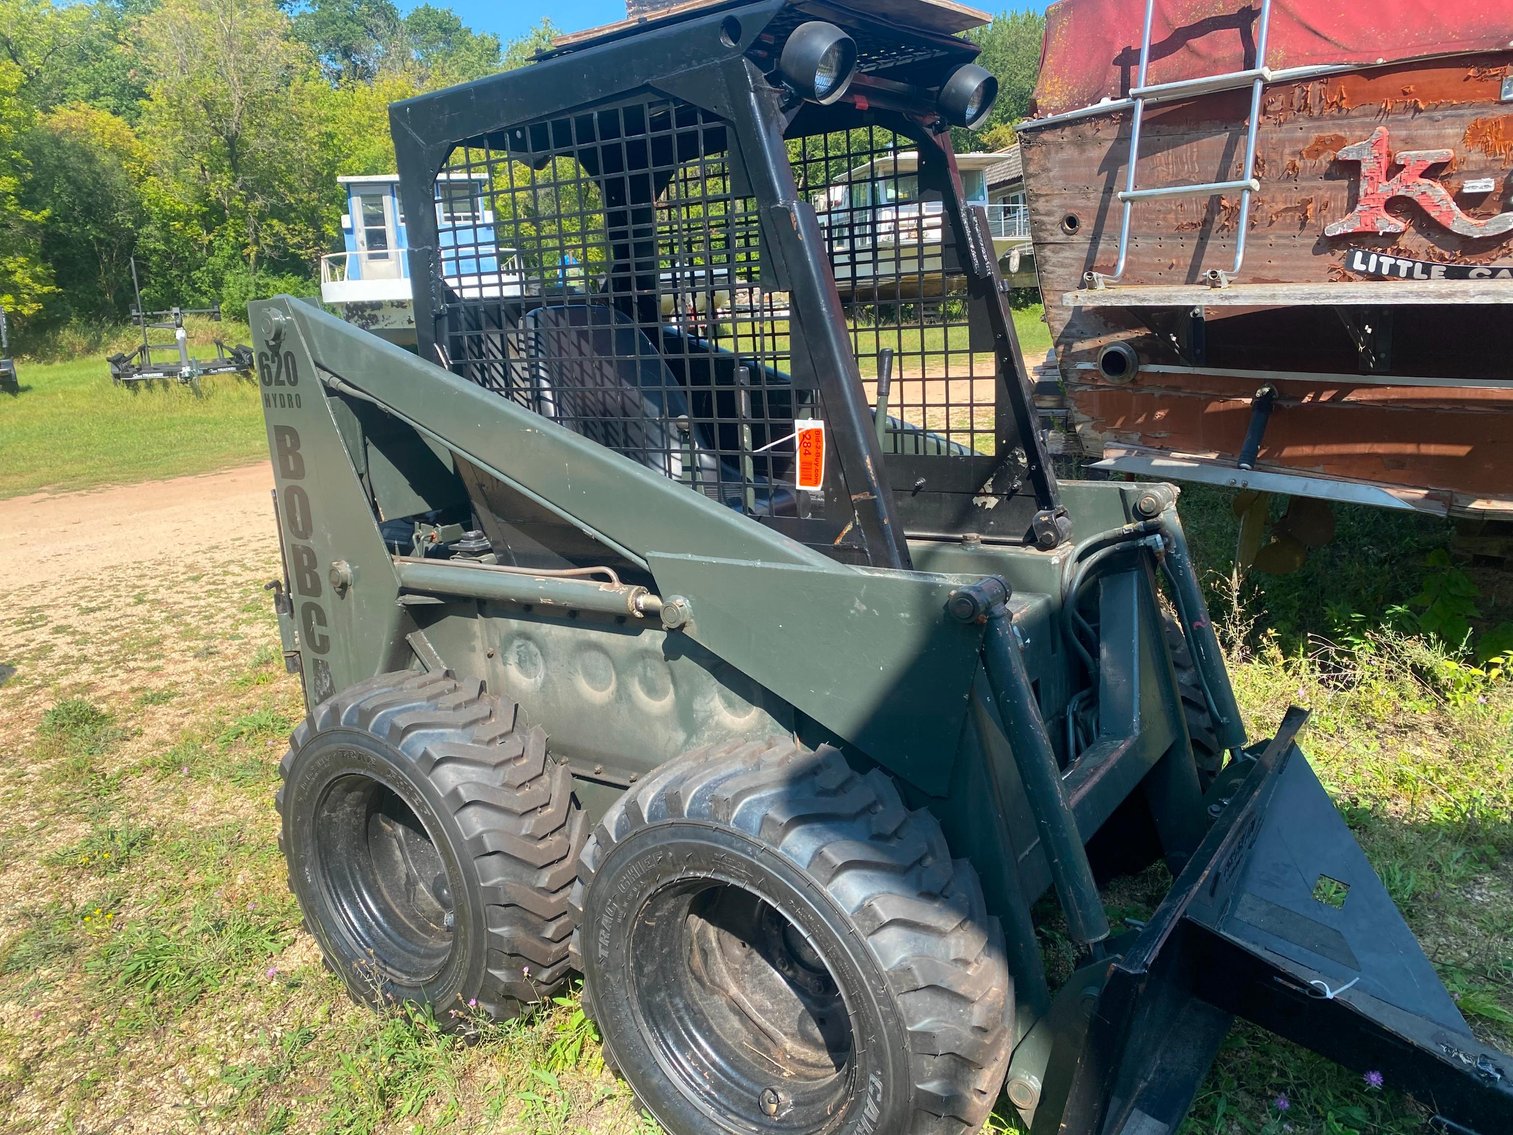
[
  {"x": 1281, "y": 1103},
  {"x": 1373, "y": 1079},
  {"x": 472, "y": 1002},
  {"x": 272, "y": 972}
]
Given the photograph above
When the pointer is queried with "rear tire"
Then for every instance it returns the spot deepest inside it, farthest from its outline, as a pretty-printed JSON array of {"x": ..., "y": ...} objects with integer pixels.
[
  {"x": 771, "y": 942},
  {"x": 432, "y": 845}
]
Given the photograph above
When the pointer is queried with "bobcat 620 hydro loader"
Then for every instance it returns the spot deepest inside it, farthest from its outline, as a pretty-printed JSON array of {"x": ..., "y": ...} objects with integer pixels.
[{"x": 674, "y": 620}]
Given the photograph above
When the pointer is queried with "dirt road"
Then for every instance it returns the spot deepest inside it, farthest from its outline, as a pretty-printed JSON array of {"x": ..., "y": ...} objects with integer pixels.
[
  {"x": 120, "y": 590},
  {"x": 53, "y": 538}
]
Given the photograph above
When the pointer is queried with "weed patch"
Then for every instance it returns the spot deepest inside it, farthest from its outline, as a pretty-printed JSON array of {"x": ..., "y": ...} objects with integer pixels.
[
  {"x": 261, "y": 725},
  {"x": 405, "y": 1063},
  {"x": 164, "y": 970},
  {"x": 79, "y": 729},
  {"x": 106, "y": 850}
]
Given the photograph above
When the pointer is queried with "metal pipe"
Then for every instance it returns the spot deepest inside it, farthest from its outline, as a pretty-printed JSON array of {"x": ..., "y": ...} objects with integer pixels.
[
  {"x": 507, "y": 585},
  {"x": 1255, "y": 433},
  {"x": 884, "y": 387},
  {"x": 1116, "y": 106},
  {"x": 987, "y": 602},
  {"x": 1262, "y": 34},
  {"x": 1206, "y": 188},
  {"x": 1156, "y": 92},
  {"x": 1127, "y": 197}
]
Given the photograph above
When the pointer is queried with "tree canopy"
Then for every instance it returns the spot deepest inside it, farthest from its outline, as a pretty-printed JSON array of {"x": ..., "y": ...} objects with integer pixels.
[
  {"x": 1011, "y": 50},
  {"x": 203, "y": 138}
]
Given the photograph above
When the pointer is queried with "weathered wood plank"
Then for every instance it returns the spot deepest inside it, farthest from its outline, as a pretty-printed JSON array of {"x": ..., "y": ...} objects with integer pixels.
[
  {"x": 1364, "y": 292},
  {"x": 1075, "y": 169},
  {"x": 1444, "y": 443},
  {"x": 1450, "y": 434},
  {"x": 1087, "y": 372}
]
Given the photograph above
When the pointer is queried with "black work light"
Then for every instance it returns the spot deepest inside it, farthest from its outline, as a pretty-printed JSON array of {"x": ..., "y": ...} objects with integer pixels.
[
  {"x": 819, "y": 61},
  {"x": 968, "y": 95}
]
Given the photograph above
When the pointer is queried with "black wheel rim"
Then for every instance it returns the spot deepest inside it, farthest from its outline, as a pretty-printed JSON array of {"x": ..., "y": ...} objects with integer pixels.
[
  {"x": 385, "y": 879},
  {"x": 741, "y": 1010}
]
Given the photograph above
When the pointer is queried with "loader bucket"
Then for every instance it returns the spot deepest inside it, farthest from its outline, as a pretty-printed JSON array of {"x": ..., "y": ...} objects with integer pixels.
[{"x": 1279, "y": 919}]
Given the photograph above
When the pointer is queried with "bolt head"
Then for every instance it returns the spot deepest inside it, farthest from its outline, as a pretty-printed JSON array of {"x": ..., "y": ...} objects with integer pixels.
[
  {"x": 676, "y": 612},
  {"x": 1024, "y": 1090},
  {"x": 769, "y": 1101},
  {"x": 274, "y": 322}
]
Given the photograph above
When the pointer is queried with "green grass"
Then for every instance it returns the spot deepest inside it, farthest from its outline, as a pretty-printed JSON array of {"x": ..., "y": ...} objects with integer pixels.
[
  {"x": 153, "y": 962},
  {"x": 1034, "y": 334},
  {"x": 72, "y": 428}
]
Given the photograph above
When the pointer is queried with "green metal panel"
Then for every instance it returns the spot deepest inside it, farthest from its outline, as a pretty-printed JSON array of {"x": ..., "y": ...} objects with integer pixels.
[
  {"x": 617, "y": 697},
  {"x": 348, "y": 634},
  {"x": 870, "y": 655}
]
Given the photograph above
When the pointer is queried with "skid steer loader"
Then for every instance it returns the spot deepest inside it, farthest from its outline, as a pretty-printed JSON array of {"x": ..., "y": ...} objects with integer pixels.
[{"x": 703, "y": 615}]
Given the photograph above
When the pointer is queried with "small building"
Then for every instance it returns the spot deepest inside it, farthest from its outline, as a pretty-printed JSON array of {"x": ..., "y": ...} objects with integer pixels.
[
  {"x": 1009, "y": 211},
  {"x": 368, "y": 283}
]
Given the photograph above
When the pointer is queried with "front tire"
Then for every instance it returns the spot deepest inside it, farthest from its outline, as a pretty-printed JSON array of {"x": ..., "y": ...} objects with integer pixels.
[
  {"x": 432, "y": 844},
  {"x": 772, "y": 943}
]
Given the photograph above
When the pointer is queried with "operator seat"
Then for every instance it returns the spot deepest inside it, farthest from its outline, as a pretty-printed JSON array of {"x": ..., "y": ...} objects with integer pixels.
[{"x": 593, "y": 370}]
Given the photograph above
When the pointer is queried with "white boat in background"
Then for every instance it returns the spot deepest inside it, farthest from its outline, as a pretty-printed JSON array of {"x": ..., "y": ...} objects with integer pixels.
[{"x": 885, "y": 234}]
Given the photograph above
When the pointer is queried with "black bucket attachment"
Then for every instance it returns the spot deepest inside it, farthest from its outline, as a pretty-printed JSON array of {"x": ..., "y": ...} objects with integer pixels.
[{"x": 1280, "y": 919}]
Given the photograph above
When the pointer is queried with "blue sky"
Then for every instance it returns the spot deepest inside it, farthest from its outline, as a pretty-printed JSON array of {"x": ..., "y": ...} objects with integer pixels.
[{"x": 511, "y": 19}]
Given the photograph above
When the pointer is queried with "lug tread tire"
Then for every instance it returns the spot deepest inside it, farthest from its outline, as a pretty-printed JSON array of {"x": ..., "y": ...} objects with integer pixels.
[
  {"x": 922, "y": 915},
  {"x": 511, "y": 801}
]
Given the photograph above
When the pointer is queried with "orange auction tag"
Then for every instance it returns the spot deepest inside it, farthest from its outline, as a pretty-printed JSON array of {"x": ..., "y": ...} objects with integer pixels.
[{"x": 810, "y": 446}]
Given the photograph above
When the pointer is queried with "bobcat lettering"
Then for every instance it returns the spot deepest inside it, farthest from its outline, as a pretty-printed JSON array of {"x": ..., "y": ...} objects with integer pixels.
[{"x": 1370, "y": 214}]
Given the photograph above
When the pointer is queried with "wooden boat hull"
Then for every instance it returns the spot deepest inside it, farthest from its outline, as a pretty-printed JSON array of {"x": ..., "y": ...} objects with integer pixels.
[{"x": 1376, "y": 295}]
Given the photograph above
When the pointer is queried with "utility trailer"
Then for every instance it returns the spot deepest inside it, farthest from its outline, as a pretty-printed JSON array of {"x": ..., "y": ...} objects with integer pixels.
[
  {"x": 1276, "y": 247},
  {"x": 760, "y": 669},
  {"x": 8, "y": 381},
  {"x": 171, "y": 358}
]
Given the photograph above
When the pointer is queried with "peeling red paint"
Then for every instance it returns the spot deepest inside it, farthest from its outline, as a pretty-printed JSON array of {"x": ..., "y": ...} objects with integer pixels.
[
  {"x": 1377, "y": 189},
  {"x": 1492, "y": 136},
  {"x": 1092, "y": 46},
  {"x": 1324, "y": 146}
]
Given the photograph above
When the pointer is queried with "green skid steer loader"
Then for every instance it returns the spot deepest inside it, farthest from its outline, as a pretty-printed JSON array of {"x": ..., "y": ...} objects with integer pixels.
[{"x": 700, "y": 612}]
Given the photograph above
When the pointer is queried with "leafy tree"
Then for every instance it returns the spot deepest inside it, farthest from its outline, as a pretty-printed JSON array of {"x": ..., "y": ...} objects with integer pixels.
[
  {"x": 24, "y": 279},
  {"x": 354, "y": 40},
  {"x": 354, "y": 127},
  {"x": 525, "y": 49},
  {"x": 445, "y": 50},
  {"x": 70, "y": 53},
  {"x": 1011, "y": 50},
  {"x": 87, "y": 166},
  {"x": 230, "y": 99}
]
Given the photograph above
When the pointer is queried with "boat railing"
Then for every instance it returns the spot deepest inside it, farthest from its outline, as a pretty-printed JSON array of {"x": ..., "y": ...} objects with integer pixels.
[
  {"x": 916, "y": 223},
  {"x": 340, "y": 267},
  {"x": 1009, "y": 221}
]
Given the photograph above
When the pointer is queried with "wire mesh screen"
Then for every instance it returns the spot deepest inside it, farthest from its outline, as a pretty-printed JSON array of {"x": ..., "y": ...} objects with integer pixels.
[
  {"x": 897, "y": 260},
  {"x": 609, "y": 278}
]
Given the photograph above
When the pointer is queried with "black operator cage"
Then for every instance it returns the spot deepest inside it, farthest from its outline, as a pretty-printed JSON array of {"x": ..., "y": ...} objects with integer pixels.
[{"x": 647, "y": 238}]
